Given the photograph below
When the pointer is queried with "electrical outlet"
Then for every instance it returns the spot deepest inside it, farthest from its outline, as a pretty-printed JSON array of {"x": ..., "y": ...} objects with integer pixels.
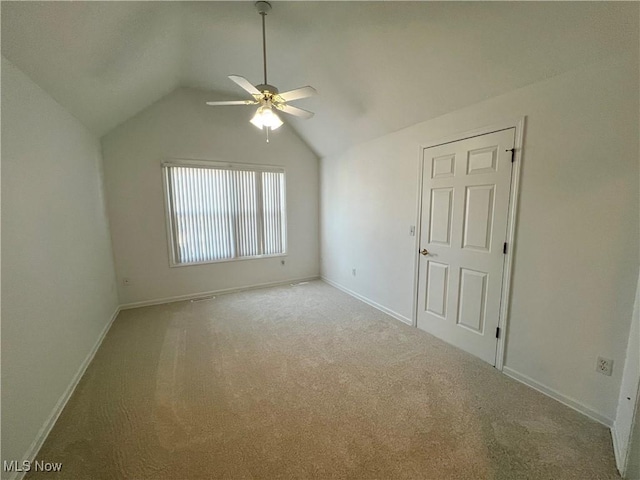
[
  {"x": 353, "y": 272},
  {"x": 604, "y": 366},
  {"x": 126, "y": 281},
  {"x": 281, "y": 262}
]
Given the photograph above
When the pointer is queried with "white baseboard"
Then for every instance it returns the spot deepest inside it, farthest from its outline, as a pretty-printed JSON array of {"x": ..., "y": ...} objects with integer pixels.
[
  {"x": 190, "y": 296},
  {"x": 62, "y": 401},
  {"x": 368, "y": 301},
  {"x": 550, "y": 392}
]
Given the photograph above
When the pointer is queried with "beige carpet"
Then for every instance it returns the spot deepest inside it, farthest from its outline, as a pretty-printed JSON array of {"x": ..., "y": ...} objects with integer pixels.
[{"x": 307, "y": 382}]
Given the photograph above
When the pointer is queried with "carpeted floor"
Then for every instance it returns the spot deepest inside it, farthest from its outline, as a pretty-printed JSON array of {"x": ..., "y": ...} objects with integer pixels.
[{"x": 307, "y": 382}]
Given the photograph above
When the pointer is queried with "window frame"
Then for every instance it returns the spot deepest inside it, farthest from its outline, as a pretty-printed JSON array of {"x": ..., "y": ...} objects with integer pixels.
[{"x": 171, "y": 230}]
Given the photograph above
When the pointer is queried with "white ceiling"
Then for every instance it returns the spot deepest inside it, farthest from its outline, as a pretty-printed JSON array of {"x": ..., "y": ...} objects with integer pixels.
[{"x": 378, "y": 66}]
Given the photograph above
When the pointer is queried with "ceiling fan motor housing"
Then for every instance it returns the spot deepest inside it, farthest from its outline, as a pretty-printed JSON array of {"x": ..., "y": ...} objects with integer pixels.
[{"x": 265, "y": 87}]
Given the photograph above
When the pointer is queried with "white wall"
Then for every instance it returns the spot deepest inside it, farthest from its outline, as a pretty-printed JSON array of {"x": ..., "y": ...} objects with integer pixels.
[
  {"x": 58, "y": 281},
  {"x": 181, "y": 126},
  {"x": 576, "y": 252}
]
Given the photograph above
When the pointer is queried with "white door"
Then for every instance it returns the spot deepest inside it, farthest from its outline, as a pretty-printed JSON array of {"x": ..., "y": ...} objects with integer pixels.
[{"x": 465, "y": 202}]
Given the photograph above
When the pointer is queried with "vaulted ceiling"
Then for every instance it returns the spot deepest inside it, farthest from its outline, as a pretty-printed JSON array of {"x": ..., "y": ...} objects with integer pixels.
[{"x": 378, "y": 66}]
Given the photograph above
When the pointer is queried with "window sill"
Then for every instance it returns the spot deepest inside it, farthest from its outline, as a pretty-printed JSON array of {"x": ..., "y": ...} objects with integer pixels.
[{"x": 226, "y": 260}]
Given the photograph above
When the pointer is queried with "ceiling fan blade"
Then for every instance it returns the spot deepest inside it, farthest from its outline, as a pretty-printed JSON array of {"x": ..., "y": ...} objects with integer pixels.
[
  {"x": 245, "y": 85},
  {"x": 302, "y": 92},
  {"x": 298, "y": 112},
  {"x": 234, "y": 102}
]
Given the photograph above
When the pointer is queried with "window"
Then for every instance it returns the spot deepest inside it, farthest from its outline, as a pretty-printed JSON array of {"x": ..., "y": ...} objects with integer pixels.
[{"x": 218, "y": 212}]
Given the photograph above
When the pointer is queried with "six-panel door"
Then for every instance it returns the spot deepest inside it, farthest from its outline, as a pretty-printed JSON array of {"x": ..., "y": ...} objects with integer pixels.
[{"x": 465, "y": 202}]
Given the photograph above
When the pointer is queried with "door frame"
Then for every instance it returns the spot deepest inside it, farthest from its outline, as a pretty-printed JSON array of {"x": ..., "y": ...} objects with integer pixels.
[{"x": 519, "y": 124}]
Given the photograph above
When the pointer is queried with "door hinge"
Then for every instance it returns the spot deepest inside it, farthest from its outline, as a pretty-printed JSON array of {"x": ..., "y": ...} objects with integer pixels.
[
  {"x": 497, "y": 332},
  {"x": 513, "y": 154},
  {"x": 504, "y": 248}
]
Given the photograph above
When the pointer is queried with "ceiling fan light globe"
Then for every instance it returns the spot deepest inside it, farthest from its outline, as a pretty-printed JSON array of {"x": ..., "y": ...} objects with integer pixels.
[
  {"x": 257, "y": 120},
  {"x": 265, "y": 117},
  {"x": 270, "y": 119}
]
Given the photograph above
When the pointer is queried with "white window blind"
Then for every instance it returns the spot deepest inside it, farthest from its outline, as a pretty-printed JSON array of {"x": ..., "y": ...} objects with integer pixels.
[{"x": 218, "y": 213}]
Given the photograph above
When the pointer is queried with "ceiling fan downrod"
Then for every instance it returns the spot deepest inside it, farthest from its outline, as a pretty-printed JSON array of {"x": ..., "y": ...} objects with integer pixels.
[{"x": 263, "y": 8}]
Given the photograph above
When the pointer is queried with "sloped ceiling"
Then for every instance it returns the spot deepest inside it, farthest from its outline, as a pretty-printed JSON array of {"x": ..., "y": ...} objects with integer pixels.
[{"x": 378, "y": 66}]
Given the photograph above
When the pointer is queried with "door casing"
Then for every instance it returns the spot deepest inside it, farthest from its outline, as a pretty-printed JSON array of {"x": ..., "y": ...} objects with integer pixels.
[{"x": 519, "y": 125}]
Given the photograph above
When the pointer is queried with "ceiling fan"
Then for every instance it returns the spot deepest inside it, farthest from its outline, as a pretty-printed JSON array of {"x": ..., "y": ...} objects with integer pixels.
[{"x": 267, "y": 96}]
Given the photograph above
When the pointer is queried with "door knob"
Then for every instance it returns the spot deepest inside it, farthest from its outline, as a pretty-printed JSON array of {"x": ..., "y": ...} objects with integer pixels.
[{"x": 424, "y": 252}]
